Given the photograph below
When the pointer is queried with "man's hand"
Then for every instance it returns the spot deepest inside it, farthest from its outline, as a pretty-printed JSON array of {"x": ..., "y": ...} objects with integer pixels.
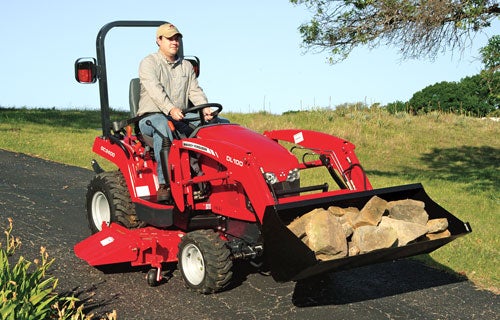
[
  {"x": 176, "y": 114},
  {"x": 207, "y": 114}
]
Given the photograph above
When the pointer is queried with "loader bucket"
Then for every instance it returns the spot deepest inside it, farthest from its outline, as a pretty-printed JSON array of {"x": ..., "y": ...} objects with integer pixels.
[{"x": 291, "y": 260}]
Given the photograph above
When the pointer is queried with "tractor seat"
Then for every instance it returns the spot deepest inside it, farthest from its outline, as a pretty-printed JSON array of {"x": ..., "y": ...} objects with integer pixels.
[{"x": 134, "y": 94}]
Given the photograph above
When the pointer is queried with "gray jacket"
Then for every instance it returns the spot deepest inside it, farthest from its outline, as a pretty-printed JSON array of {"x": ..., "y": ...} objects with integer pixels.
[{"x": 165, "y": 86}]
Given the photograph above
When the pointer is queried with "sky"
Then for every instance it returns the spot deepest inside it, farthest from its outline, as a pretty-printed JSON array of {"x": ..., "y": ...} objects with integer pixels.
[{"x": 250, "y": 52}]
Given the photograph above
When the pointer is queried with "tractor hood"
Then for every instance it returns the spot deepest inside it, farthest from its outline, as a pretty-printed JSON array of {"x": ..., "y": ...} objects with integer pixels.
[{"x": 270, "y": 155}]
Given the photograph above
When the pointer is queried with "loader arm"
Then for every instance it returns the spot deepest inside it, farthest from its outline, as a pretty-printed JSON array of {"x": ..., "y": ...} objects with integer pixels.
[{"x": 336, "y": 154}]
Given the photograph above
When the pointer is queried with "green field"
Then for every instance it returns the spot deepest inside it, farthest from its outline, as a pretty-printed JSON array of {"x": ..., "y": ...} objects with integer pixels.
[{"x": 456, "y": 158}]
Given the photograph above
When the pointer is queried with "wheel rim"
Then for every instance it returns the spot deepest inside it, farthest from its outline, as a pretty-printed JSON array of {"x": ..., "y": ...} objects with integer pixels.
[
  {"x": 193, "y": 265},
  {"x": 100, "y": 209}
]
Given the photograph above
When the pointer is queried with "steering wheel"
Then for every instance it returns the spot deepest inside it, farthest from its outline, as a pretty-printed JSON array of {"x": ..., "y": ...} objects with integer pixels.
[{"x": 199, "y": 109}]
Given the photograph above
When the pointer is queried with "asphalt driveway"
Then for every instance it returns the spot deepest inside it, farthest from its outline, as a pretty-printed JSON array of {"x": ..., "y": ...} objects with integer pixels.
[{"x": 46, "y": 201}]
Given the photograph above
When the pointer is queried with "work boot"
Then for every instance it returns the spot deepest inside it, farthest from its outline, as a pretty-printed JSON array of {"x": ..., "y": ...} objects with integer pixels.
[{"x": 163, "y": 194}]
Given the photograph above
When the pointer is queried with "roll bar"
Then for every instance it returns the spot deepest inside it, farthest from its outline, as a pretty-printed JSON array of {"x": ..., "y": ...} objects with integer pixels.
[{"x": 89, "y": 70}]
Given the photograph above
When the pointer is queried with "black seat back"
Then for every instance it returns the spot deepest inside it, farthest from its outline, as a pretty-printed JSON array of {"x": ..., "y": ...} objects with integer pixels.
[{"x": 134, "y": 94}]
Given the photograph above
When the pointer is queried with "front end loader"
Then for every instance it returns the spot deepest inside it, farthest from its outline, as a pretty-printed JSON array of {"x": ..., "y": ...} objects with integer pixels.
[{"x": 235, "y": 193}]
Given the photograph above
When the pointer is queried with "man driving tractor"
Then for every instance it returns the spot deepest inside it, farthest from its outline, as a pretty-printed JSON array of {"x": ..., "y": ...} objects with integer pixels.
[{"x": 168, "y": 83}]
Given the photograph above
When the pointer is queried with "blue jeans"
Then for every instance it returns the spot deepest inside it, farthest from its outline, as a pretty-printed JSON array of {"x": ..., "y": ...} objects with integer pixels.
[{"x": 160, "y": 122}]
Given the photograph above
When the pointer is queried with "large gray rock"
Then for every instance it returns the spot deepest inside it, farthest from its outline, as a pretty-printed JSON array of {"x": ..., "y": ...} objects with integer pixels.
[
  {"x": 406, "y": 231},
  {"x": 408, "y": 210},
  {"x": 298, "y": 226},
  {"x": 369, "y": 238},
  {"x": 325, "y": 236},
  {"x": 405, "y": 202},
  {"x": 371, "y": 213}
]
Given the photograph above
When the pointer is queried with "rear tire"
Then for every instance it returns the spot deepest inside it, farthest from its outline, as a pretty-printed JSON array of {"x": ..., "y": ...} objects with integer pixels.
[
  {"x": 108, "y": 200},
  {"x": 204, "y": 261}
]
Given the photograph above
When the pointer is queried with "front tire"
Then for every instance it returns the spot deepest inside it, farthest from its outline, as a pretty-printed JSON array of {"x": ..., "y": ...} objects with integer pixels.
[
  {"x": 108, "y": 200},
  {"x": 204, "y": 261}
]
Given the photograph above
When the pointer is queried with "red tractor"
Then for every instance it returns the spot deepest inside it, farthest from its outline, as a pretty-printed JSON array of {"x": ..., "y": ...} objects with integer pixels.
[{"x": 233, "y": 193}]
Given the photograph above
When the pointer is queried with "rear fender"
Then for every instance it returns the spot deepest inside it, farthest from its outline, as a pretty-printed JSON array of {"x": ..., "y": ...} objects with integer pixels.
[{"x": 140, "y": 176}]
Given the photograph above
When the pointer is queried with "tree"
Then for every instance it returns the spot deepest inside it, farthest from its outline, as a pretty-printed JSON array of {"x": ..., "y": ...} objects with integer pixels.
[
  {"x": 469, "y": 96},
  {"x": 420, "y": 28},
  {"x": 490, "y": 57},
  {"x": 490, "y": 54}
]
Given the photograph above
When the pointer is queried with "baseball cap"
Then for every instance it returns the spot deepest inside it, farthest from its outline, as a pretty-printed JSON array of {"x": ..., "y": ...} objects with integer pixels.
[{"x": 167, "y": 30}]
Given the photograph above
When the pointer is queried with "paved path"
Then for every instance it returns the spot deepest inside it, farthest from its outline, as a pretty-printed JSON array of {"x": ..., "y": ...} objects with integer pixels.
[{"x": 46, "y": 201}]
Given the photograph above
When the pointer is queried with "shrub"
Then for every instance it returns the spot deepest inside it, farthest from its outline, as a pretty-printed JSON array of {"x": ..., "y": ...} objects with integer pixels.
[
  {"x": 396, "y": 107},
  {"x": 26, "y": 292}
]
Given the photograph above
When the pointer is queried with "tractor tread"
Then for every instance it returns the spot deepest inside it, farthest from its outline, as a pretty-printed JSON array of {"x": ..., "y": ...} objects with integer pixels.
[
  {"x": 217, "y": 260},
  {"x": 113, "y": 185}
]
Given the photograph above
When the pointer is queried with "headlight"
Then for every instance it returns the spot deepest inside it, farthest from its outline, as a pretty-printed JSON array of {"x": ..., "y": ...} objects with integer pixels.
[
  {"x": 270, "y": 177},
  {"x": 293, "y": 175}
]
